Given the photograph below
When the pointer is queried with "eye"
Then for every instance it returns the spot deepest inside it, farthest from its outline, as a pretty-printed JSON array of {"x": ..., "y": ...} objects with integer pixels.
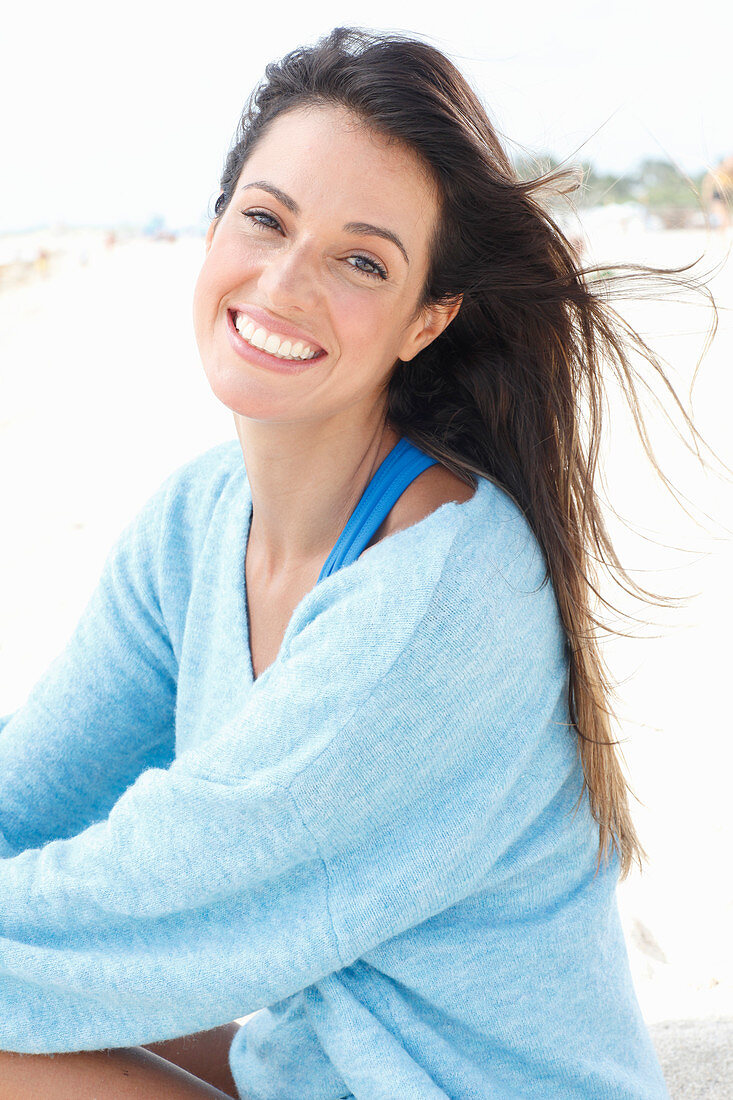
[
  {"x": 377, "y": 272},
  {"x": 253, "y": 215}
]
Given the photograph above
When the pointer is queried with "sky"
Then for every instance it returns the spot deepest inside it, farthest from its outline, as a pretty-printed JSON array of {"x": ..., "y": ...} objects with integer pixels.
[{"x": 121, "y": 114}]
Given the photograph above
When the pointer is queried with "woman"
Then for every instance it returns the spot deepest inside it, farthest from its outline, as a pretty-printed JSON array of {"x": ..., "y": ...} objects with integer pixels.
[{"x": 329, "y": 747}]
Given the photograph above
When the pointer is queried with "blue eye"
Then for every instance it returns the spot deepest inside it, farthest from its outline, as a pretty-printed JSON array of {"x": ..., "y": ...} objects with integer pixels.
[
  {"x": 379, "y": 272},
  {"x": 253, "y": 215}
]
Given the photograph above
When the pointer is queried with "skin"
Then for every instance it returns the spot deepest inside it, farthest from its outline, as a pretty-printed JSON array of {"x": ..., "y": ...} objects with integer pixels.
[
  {"x": 194, "y": 1067},
  {"x": 311, "y": 442}
]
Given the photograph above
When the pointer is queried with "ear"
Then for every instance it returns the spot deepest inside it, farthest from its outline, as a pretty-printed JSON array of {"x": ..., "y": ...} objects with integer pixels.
[{"x": 428, "y": 325}]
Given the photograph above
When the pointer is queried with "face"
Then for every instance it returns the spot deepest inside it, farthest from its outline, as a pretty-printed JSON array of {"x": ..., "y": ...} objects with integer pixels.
[{"x": 324, "y": 244}]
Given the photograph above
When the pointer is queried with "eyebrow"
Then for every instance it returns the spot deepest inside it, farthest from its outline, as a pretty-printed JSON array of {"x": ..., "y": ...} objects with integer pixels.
[{"x": 350, "y": 227}]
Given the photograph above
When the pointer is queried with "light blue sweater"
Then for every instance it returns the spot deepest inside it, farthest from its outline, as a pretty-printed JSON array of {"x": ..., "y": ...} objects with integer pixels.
[{"x": 372, "y": 844}]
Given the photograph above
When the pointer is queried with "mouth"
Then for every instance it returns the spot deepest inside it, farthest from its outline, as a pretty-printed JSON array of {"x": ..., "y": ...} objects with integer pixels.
[{"x": 276, "y": 345}]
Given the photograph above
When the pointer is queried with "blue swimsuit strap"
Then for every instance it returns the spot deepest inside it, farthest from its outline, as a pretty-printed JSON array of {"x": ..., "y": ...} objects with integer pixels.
[{"x": 401, "y": 466}]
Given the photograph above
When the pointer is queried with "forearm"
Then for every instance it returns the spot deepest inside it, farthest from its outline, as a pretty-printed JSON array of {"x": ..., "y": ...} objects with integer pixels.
[
  {"x": 133, "y": 1073},
  {"x": 205, "y": 1054}
]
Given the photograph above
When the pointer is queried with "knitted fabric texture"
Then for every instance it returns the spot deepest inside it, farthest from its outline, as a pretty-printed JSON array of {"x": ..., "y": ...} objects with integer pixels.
[{"x": 371, "y": 847}]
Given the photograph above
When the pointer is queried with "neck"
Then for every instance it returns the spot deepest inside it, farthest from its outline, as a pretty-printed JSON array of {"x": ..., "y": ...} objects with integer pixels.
[{"x": 305, "y": 480}]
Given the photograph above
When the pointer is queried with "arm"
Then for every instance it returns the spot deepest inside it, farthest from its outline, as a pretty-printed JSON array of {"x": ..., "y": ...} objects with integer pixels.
[
  {"x": 134, "y": 1074},
  {"x": 205, "y": 1055},
  {"x": 367, "y": 783},
  {"x": 104, "y": 709}
]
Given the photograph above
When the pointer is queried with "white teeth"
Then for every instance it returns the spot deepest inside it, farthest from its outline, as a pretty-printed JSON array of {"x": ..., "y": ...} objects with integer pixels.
[{"x": 270, "y": 342}]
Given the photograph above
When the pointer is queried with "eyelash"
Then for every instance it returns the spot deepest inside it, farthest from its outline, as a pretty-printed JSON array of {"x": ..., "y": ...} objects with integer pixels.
[{"x": 380, "y": 272}]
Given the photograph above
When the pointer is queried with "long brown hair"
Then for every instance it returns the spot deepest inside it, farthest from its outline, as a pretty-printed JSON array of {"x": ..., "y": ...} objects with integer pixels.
[{"x": 511, "y": 387}]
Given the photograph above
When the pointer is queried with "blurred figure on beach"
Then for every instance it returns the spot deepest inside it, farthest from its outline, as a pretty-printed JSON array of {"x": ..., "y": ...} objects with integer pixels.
[
  {"x": 42, "y": 262},
  {"x": 717, "y": 193}
]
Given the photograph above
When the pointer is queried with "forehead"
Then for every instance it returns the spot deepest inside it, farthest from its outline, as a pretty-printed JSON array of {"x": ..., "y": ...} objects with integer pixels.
[{"x": 334, "y": 164}]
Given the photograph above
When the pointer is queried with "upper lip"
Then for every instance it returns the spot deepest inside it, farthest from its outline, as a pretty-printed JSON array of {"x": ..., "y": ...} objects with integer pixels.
[{"x": 275, "y": 324}]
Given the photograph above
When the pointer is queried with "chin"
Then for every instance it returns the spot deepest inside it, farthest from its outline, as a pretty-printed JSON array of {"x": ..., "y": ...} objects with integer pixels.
[{"x": 248, "y": 396}]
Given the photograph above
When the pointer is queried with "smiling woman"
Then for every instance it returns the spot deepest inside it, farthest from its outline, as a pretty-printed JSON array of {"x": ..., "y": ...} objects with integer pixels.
[
  {"x": 330, "y": 746},
  {"x": 286, "y": 249}
]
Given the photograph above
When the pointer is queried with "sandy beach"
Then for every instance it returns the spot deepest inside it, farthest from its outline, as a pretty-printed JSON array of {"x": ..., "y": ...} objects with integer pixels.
[{"x": 102, "y": 394}]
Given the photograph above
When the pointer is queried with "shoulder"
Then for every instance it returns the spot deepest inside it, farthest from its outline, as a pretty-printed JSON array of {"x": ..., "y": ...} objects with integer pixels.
[
  {"x": 495, "y": 591},
  {"x": 191, "y": 492},
  {"x": 493, "y": 538},
  {"x": 497, "y": 557},
  {"x": 210, "y": 468},
  {"x": 432, "y": 488},
  {"x": 468, "y": 566},
  {"x": 489, "y": 531},
  {"x": 498, "y": 577},
  {"x": 174, "y": 519}
]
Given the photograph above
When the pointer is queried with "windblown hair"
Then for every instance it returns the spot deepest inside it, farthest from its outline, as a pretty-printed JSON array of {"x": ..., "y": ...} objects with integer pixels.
[{"x": 512, "y": 389}]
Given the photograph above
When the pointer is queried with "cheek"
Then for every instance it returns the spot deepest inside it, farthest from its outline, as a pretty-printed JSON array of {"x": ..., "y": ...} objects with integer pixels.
[
  {"x": 199, "y": 292},
  {"x": 218, "y": 277},
  {"x": 367, "y": 322},
  {"x": 227, "y": 264},
  {"x": 201, "y": 307},
  {"x": 207, "y": 278}
]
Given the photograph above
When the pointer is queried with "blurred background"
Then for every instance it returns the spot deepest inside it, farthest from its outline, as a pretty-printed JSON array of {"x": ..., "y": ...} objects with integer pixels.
[{"x": 114, "y": 128}]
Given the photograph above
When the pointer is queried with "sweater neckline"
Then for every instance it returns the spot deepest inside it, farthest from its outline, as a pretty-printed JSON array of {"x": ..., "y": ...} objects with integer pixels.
[{"x": 389, "y": 544}]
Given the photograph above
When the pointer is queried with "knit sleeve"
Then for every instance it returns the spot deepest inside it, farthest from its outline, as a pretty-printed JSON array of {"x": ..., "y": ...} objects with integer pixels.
[
  {"x": 371, "y": 779},
  {"x": 103, "y": 711}
]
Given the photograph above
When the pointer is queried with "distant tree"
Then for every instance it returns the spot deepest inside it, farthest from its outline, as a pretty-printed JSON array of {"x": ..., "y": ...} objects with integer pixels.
[
  {"x": 528, "y": 167},
  {"x": 602, "y": 188},
  {"x": 654, "y": 183},
  {"x": 660, "y": 184},
  {"x": 532, "y": 167}
]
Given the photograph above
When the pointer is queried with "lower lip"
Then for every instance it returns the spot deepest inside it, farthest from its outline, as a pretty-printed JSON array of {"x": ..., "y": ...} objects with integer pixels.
[{"x": 264, "y": 358}]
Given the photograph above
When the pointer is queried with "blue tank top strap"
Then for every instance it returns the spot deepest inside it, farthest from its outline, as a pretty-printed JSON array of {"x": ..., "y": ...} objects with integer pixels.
[{"x": 401, "y": 466}]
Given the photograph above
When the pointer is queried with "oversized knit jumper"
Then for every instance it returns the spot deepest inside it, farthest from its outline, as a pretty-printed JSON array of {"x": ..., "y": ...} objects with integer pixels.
[{"x": 372, "y": 846}]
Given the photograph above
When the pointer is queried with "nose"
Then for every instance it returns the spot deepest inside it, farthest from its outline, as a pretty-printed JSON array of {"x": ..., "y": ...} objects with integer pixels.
[{"x": 289, "y": 279}]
